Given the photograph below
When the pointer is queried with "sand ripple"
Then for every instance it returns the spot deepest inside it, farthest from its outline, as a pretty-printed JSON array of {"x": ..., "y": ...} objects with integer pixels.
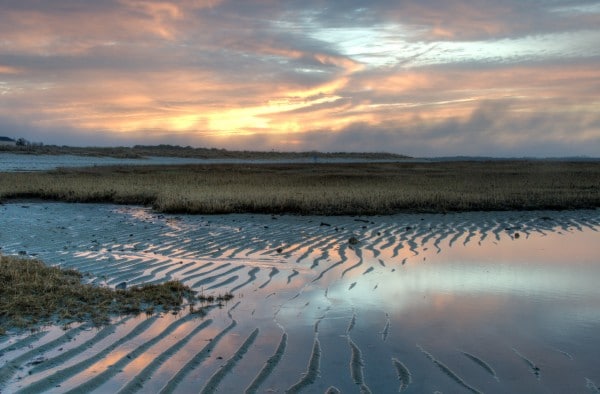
[{"x": 298, "y": 283}]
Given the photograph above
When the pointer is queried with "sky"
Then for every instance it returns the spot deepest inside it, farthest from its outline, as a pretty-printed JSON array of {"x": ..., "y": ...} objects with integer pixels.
[{"x": 424, "y": 78}]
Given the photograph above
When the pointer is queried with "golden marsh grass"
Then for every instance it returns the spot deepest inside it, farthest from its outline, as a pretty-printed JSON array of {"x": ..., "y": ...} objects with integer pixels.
[{"x": 328, "y": 189}]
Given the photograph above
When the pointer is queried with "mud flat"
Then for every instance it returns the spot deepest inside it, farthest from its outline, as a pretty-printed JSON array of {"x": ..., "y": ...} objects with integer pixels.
[{"x": 489, "y": 302}]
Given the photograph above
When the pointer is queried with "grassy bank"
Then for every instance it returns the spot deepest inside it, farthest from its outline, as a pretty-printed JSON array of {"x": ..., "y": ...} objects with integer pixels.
[
  {"x": 33, "y": 294},
  {"x": 329, "y": 189}
]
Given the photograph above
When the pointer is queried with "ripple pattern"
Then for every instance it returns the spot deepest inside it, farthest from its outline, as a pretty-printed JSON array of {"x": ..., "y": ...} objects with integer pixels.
[{"x": 294, "y": 280}]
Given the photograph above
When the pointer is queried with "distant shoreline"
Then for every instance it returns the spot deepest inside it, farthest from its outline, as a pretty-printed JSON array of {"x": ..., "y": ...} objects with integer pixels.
[
  {"x": 145, "y": 151},
  {"x": 142, "y": 152},
  {"x": 14, "y": 162}
]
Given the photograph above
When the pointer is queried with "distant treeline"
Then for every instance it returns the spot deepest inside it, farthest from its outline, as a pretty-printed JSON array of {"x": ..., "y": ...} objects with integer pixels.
[{"x": 142, "y": 151}]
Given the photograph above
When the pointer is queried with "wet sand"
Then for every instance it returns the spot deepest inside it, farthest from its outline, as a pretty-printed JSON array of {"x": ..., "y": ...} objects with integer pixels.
[{"x": 471, "y": 302}]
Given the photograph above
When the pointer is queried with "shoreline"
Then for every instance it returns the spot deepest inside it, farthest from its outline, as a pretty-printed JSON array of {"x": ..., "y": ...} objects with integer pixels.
[
  {"x": 37, "y": 200},
  {"x": 175, "y": 151}
]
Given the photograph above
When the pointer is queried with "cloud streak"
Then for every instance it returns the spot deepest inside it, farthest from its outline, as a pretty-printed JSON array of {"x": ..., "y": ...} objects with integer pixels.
[{"x": 421, "y": 78}]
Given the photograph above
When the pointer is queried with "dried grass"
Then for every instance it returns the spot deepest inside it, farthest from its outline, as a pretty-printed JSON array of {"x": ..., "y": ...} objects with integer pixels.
[
  {"x": 328, "y": 189},
  {"x": 33, "y": 294}
]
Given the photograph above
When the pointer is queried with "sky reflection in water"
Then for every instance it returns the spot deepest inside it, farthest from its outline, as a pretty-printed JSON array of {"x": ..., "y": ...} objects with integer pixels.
[{"x": 492, "y": 302}]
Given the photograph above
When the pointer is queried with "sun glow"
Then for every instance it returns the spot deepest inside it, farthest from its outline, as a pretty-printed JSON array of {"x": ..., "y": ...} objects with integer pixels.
[
  {"x": 184, "y": 122},
  {"x": 265, "y": 117}
]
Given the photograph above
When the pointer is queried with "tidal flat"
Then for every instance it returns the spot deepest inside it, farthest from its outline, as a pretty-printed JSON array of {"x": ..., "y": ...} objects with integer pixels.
[{"x": 490, "y": 302}]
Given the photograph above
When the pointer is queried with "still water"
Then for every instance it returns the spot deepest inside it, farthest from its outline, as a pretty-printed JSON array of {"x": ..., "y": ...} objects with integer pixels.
[
  {"x": 10, "y": 162},
  {"x": 473, "y": 302}
]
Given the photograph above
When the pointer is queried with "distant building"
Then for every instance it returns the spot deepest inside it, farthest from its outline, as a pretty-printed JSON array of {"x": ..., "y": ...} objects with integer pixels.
[{"x": 7, "y": 141}]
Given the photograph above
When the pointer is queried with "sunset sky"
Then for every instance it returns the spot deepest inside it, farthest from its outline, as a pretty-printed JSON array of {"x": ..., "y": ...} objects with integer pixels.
[{"x": 423, "y": 78}]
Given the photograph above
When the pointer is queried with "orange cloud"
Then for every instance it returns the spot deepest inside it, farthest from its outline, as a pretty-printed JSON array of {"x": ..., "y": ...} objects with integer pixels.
[
  {"x": 9, "y": 70},
  {"x": 209, "y": 71}
]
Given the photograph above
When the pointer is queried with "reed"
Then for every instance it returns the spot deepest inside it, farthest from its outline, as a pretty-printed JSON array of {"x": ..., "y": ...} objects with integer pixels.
[{"x": 324, "y": 189}]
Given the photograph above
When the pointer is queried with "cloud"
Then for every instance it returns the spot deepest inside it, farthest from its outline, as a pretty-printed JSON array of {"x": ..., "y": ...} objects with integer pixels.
[
  {"x": 271, "y": 73},
  {"x": 464, "y": 19},
  {"x": 493, "y": 129}
]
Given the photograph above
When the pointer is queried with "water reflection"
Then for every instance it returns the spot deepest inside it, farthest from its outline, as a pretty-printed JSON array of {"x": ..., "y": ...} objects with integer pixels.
[{"x": 494, "y": 302}]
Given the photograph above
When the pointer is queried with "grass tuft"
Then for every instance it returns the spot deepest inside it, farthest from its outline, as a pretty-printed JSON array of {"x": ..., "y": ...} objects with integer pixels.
[{"x": 33, "y": 294}]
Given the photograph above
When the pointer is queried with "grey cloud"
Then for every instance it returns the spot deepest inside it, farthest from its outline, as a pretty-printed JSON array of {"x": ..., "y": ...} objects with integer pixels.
[
  {"x": 492, "y": 130},
  {"x": 468, "y": 20},
  {"x": 34, "y": 132}
]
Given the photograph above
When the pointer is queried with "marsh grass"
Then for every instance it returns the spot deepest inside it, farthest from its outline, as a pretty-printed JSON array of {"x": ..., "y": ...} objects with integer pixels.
[
  {"x": 34, "y": 294},
  {"x": 210, "y": 298},
  {"x": 327, "y": 189}
]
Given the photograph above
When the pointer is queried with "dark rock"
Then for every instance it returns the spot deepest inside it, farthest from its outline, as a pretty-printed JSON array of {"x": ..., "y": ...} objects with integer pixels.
[
  {"x": 352, "y": 241},
  {"x": 37, "y": 361}
]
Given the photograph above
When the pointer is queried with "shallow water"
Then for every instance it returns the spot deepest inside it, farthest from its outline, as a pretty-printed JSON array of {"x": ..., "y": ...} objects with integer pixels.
[
  {"x": 11, "y": 162},
  {"x": 490, "y": 302}
]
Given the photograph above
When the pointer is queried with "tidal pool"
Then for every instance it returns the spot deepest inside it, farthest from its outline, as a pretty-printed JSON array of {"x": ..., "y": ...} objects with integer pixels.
[{"x": 474, "y": 302}]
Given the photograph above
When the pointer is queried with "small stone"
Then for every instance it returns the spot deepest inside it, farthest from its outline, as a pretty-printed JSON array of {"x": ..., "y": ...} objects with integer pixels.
[
  {"x": 37, "y": 361},
  {"x": 352, "y": 241}
]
